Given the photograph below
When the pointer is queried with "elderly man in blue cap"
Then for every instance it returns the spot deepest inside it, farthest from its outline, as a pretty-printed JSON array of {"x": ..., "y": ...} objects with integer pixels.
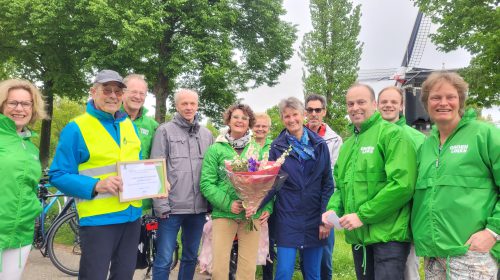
[{"x": 84, "y": 167}]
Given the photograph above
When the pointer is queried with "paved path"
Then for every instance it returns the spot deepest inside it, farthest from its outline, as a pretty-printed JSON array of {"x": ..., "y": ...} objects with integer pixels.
[{"x": 40, "y": 268}]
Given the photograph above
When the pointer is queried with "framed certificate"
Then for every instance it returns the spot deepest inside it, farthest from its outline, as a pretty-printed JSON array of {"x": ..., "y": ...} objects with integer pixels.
[{"x": 143, "y": 179}]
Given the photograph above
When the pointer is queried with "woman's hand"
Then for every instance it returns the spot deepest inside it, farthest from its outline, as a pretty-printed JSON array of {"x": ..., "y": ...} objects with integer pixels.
[
  {"x": 236, "y": 207},
  {"x": 481, "y": 241},
  {"x": 324, "y": 219},
  {"x": 324, "y": 232},
  {"x": 264, "y": 217},
  {"x": 250, "y": 211}
]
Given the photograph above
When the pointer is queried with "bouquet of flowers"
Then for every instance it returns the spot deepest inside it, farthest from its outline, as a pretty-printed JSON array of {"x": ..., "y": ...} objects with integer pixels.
[{"x": 253, "y": 179}]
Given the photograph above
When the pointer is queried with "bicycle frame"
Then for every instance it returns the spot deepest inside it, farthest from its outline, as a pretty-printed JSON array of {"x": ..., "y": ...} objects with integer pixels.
[{"x": 42, "y": 194}]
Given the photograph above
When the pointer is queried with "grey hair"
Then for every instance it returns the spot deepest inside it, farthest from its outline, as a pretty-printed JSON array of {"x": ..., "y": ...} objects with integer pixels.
[
  {"x": 314, "y": 97},
  {"x": 185, "y": 90},
  {"x": 292, "y": 103}
]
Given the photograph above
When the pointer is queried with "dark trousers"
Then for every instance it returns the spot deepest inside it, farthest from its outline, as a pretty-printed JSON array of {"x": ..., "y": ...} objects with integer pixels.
[
  {"x": 384, "y": 261},
  {"x": 114, "y": 245}
]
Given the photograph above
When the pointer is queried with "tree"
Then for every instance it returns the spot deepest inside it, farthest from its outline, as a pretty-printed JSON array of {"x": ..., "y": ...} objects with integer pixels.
[
  {"x": 38, "y": 42},
  {"x": 215, "y": 47},
  {"x": 67, "y": 110},
  {"x": 276, "y": 124},
  {"x": 474, "y": 26},
  {"x": 331, "y": 53}
]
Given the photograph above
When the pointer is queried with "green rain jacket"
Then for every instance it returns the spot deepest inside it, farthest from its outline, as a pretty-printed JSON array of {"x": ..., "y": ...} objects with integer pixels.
[
  {"x": 20, "y": 169},
  {"x": 416, "y": 137},
  {"x": 457, "y": 189},
  {"x": 215, "y": 185},
  {"x": 264, "y": 151},
  {"x": 375, "y": 175},
  {"x": 146, "y": 127}
]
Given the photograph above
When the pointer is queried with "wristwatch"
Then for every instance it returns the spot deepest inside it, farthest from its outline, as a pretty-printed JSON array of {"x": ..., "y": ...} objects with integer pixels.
[{"x": 497, "y": 236}]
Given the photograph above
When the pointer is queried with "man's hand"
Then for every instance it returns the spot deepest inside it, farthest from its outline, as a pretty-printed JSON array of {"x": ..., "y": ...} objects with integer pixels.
[
  {"x": 324, "y": 219},
  {"x": 264, "y": 217},
  {"x": 350, "y": 221},
  {"x": 481, "y": 241},
  {"x": 324, "y": 232},
  {"x": 111, "y": 184},
  {"x": 236, "y": 207}
]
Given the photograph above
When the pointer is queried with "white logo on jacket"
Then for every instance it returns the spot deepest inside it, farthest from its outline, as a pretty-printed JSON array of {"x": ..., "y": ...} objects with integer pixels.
[
  {"x": 144, "y": 131},
  {"x": 459, "y": 149},
  {"x": 367, "y": 150}
]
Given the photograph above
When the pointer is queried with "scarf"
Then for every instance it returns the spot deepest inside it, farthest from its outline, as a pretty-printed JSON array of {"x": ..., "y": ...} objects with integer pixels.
[
  {"x": 303, "y": 148},
  {"x": 238, "y": 143}
]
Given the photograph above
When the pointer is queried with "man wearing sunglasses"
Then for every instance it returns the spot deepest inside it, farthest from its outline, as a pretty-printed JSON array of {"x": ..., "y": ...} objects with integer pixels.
[
  {"x": 315, "y": 112},
  {"x": 84, "y": 167}
]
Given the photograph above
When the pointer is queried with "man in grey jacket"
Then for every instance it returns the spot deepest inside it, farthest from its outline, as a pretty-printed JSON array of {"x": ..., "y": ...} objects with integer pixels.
[
  {"x": 315, "y": 112},
  {"x": 182, "y": 142}
]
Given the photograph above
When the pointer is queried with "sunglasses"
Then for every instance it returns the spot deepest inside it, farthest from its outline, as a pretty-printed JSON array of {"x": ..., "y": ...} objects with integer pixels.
[{"x": 317, "y": 110}]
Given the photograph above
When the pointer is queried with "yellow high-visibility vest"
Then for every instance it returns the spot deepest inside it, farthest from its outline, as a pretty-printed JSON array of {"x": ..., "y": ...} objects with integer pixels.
[{"x": 104, "y": 154}]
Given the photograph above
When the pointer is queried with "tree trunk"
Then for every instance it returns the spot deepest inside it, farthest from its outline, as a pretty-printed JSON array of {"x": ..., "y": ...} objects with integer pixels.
[
  {"x": 45, "y": 132},
  {"x": 161, "y": 93}
]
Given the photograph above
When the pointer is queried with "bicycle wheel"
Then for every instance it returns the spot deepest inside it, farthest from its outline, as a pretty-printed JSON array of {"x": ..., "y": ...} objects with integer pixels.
[{"x": 64, "y": 244}]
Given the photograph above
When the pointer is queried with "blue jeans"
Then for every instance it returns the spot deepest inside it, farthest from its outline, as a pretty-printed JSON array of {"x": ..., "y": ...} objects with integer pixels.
[
  {"x": 326, "y": 260},
  {"x": 286, "y": 263},
  {"x": 192, "y": 228}
]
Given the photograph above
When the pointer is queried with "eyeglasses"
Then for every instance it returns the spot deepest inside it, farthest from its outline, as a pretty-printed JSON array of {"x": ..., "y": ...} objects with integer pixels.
[
  {"x": 108, "y": 91},
  {"x": 317, "y": 110},
  {"x": 25, "y": 104},
  {"x": 243, "y": 118},
  {"x": 136, "y": 92}
]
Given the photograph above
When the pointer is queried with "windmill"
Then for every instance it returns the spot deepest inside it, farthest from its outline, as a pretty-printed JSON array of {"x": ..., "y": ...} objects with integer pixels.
[{"x": 408, "y": 76}]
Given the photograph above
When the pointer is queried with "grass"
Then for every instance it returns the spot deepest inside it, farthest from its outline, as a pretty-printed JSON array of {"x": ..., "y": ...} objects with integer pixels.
[{"x": 343, "y": 264}]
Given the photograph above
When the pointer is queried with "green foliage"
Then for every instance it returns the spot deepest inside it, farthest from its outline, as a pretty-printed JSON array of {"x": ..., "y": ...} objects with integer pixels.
[
  {"x": 331, "y": 53},
  {"x": 215, "y": 47},
  {"x": 474, "y": 26},
  {"x": 276, "y": 124},
  {"x": 66, "y": 110},
  {"x": 212, "y": 128}
]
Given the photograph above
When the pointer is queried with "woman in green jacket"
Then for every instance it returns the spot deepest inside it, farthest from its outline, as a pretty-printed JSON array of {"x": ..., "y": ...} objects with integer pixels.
[
  {"x": 456, "y": 213},
  {"x": 229, "y": 216},
  {"x": 20, "y": 104}
]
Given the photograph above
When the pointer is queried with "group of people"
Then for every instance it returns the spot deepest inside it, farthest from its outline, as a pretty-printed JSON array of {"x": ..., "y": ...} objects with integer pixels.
[{"x": 398, "y": 194}]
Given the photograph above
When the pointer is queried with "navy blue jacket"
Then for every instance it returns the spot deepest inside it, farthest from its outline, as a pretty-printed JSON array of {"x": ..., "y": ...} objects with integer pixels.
[{"x": 304, "y": 195}]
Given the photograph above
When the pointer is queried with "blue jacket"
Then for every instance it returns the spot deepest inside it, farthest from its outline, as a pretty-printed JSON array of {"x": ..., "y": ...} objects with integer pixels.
[
  {"x": 72, "y": 151},
  {"x": 304, "y": 195}
]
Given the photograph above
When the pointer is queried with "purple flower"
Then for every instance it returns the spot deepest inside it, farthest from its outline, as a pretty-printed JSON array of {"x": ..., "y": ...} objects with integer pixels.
[{"x": 253, "y": 165}]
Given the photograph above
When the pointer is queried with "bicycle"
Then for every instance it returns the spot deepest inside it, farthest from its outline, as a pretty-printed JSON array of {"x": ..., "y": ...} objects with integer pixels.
[
  {"x": 64, "y": 229},
  {"x": 147, "y": 245}
]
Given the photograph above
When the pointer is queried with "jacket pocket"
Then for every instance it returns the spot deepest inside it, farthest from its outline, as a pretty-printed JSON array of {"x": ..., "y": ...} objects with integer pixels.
[
  {"x": 375, "y": 181},
  {"x": 178, "y": 147}
]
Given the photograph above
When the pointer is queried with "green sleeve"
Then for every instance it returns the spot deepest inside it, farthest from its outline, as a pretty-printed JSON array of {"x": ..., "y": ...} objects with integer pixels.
[
  {"x": 211, "y": 186},
  {"x": 400, "y": 168},
  {"x": 268, "y": 207},
  {"x": 493, "y": 160}
]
